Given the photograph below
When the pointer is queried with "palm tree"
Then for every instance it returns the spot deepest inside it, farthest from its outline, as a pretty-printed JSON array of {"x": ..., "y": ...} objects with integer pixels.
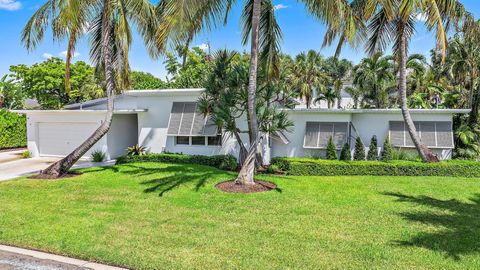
[
  {"x": 329, "y": 95},
  {"x": 375, "y": 73},
  {"x": 264, "y": 36},
  {"x": 338, "y": 70},
  {"x": 356, "y": 93},
  {"x": 110, "y": 32},
  {"x": 396, "y": 19},
  {"x": 309, "y": 76},
  {"x": 68, "y": 19}
]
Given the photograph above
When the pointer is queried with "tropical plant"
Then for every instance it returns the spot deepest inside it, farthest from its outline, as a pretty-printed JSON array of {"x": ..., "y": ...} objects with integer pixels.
[
  {"x": 395, "y": 20},
  {"x": 356, "y": 93},
  {"x": 11, "y": 94},
  {"x": 309, "y": 76},
  {"x": 98, "y": 156},
  {"x": 145, "y": 81},
  {"x": 346, "y": 153},
  {"x": 331, "y": 150},
  {"x": 180, "y": 20},
  {"x": 26, "y": 154},
  {"x": 110, "y": 39},
  {"x": 136, "y": 150},
  {"x": 68, "y": 19},
  {"x": 337, "y": 71},
  {"x": 375, "y": 74},
  {"x": 373, "y": 149},
  {"x": 329, "y": 95}
]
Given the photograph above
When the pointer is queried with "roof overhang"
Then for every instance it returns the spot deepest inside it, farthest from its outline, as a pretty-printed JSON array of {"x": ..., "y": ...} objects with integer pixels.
[
  {"x": 165, "y": 92},
  {"x": 379, "y": 111},
  {"x": 78, "y": 111}
]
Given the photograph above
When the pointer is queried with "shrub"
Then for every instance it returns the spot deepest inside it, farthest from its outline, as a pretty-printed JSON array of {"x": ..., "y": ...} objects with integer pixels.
[
  {"x": 98, "y": 156},
  {"x": 346, "y": 154},
  {"x": 359, "y": 153},
  {"x": 282, "y": 163},
  {"x": 404, "y": 155},
  {"x": 309, "y": 167},
  {"x": 224, "y": 162},
  {"x": 13, "y": 130},
  {"x": 272, "y": 169},
  {"x": 373, "y": 149},
  {"x": 26, "y": 154},
  {"x": 136, "y": 150},
  {"x": 331, "y": 150},
  {"x": 387, "y": 151}
]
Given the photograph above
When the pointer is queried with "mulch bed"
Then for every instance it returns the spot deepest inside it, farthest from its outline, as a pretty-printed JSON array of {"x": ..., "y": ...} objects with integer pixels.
[
  {"x": 232, "y": 187},
  {"x": 49, "y": 177}
]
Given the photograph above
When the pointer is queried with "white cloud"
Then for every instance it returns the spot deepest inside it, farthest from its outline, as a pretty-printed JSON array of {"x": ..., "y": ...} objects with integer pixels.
[
  {"x": 203, "y": 46},
  {"x": 47, "y": 55},
  {"x": 64, "y": 54},
  {"x": 421, "y": 17},
  {"x": 279, "y": 6},
  {"x": 10, "y": 4}
]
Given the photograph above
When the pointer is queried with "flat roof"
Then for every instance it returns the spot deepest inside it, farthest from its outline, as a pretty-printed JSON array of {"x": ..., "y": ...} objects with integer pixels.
[
  {"x": 79, "y": 111},
  {"x": 379, "y": 111},
  {"x": 160, "y": 92}
]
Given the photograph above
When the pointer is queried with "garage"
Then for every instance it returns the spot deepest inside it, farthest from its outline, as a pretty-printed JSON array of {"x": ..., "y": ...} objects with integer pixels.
[{"x": 60, "y": 139}]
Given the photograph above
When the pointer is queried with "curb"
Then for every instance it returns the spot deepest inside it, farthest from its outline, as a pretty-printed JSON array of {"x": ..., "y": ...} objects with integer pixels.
[{"x": 58, "y": 258}]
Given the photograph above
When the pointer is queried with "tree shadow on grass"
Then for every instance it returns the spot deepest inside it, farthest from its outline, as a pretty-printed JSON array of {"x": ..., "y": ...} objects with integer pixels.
[{"x": 457, "y": 224}]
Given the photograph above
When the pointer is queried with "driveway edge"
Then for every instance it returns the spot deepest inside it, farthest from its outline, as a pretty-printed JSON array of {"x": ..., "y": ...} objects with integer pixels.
[{"x": 58, "y": 258}]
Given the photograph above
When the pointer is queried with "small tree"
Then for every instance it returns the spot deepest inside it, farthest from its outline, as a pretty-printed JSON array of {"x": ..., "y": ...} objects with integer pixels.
[
  {"x": 346, "y": 154},
  {"x": 373, "y": 149},
  {"x": 359, "y": 153},
  {"x": 331, "y": 150},
  {"x": 387, "y": 153}
]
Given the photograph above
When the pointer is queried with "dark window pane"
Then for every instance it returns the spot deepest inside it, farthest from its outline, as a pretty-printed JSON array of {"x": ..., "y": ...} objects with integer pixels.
[
  {"x": 215, "y": 140},
  {"x": 183, "y": 140},
  {"x": 198, "y": 140}
]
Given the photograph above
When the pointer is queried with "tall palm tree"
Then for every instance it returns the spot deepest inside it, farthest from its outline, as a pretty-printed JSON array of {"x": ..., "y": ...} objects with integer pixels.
[
  {"x": 375, "y": 74},
  {"x": 395, "y": 19},
  {"x": 338, "y": 70},
  {"x": 68, "y": 19},
  {"x": 329, "y": 96},
  {"x": 210, "y": 13},
  {"x": 309, "y": 76},
  {"x": 110, "y": 32}
]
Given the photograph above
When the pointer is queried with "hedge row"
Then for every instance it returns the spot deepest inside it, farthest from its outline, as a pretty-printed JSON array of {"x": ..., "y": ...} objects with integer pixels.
[
  {"x": 311, "y": 167},
  {"x": 13, "y": 130},
  {"x": 224, "y": 162}
]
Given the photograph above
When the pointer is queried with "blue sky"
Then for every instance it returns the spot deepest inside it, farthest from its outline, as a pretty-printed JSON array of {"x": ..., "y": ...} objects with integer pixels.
[{"x": 301, "y": 33}]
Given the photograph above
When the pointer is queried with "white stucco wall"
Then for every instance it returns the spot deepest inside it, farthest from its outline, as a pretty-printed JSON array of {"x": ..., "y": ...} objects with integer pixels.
[{"x": 122, "y": 134}]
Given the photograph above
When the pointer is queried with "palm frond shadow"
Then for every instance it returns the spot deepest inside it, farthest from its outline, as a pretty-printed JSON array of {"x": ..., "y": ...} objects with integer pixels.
[{"x": 456, "y": 224}]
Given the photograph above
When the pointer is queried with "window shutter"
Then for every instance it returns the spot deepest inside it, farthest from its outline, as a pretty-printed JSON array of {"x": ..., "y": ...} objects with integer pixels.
[
  {"x": 175, "y": 118},
  {"x": 427, "y": 133},
  {"x": 311, "y": 135},
  {"x": 340, "y": 134},
  {"x": 326, "y": 131},
  {"x": 186, "y": 120},
  {"x": 444, "y": 134},
  {"x": 397, "y": 134}
]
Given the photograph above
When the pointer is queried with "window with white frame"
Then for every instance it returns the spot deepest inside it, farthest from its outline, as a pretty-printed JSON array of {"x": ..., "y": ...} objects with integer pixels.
[
  {"x": 199, "y": 140},
  {"x": 434, "y": 134}
]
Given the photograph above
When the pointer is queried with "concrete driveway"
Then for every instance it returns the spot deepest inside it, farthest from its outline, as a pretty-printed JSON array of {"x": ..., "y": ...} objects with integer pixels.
[{"x": 22, "y": 167}]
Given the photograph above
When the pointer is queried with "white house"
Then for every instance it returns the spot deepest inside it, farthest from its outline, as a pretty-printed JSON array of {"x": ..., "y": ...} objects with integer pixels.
[{"x": 166, "y": 121}]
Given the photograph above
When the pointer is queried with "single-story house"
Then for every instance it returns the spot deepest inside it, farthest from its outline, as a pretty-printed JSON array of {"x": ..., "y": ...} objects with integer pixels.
[{"x": 167, "y": 121}]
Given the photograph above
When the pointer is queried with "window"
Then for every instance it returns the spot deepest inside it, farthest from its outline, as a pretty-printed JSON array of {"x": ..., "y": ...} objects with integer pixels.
[
  {"x": 198, "y": 140},
  {"x": 432, "y": 134},
  {"x": 317, "y": 134},
  {"x": 186, "y": 120},
  {"x": 182, "y": 140},
  {"x": 215, "y": 140}
]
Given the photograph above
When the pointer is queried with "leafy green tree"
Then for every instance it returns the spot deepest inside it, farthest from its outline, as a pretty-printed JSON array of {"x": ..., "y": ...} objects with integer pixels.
[
  {"x": 359, "y": 153},
  {"x": 11, "y": 94},
  {"x": 387, "y": 151},
  {"x": 346, "y": 154},
  {"x": 145, "y": 81},
  {"x": 331, "y": 150},
  {"x": 45, "y": 82},
  {"x": 373, "y": 149}
]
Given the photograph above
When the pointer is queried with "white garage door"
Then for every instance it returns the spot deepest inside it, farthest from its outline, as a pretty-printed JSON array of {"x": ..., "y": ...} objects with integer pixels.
[{"x": 60, "y": 139}]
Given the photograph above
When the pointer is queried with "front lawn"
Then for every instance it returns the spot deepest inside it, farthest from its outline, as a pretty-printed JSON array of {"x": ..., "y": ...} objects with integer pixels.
[{"x": 164, "y": 216}]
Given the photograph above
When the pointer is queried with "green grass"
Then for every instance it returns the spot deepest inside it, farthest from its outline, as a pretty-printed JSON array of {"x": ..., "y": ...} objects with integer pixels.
[{"x": 163, "y": 216}]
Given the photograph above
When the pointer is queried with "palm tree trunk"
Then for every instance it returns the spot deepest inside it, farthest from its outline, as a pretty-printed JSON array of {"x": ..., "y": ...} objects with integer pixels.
[
  {"x": 247, "y": 171},
  {"x": 423, "y": 150},
  {"x": 62, "y": 166},
  {"x": 68, "y": 60},
  {"x": 243, "y": 150}
]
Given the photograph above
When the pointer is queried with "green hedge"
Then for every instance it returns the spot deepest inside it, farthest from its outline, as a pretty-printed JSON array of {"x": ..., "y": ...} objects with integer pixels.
[
  {"x": 13, "y": 130},
  {"x": 303, "y": 166},
  {"x": 224, "y": 162}
]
